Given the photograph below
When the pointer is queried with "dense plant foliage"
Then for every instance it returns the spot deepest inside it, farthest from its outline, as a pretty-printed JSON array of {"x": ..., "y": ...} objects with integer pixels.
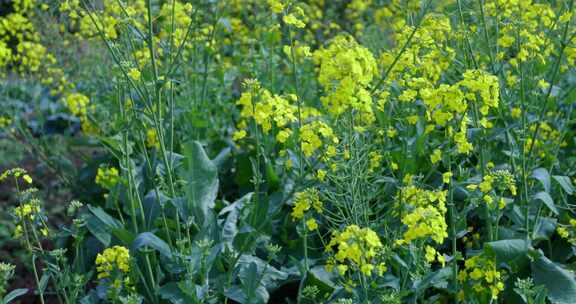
[{"x": 289, "y": 151}]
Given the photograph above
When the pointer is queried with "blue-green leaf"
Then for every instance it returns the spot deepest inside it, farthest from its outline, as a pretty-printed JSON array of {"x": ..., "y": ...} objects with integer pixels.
[
  {"x": 149, "y": 239},
  {"x": 547, "y": 200},
  {"x": 14, "y": 294},
  {"x": 543, "y": 176},
  {"x": 565, "y": 183},
  {"x": 508, "y": 251},
  {"x": 559, "y": 282},
  {"x": 201, "y": 176},
  {"x": 104, "y": 217}
]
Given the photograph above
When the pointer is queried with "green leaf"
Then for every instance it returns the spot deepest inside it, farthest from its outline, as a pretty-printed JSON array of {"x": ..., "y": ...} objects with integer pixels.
[
  {"x": 317, "y": 276},
  {"x": 559, "y": 281},
  {"x": 547, "y": 200},
  {"x": 508, "y": 251},
  {"x": 271, "y": 177},
  {"x": 149, "y": 239},
  {"x": 565, "y": 183},
  {"x": 249, "y": 278},
  {"x": 270, "y": 276},
  {"x": 201, "y": 176},
  {"x": 104, "y": 217},
  {"x": 237, "y": 294},
  {"x": 115, "y": 145},
  {"x": 544, "y": 228},
  {"x": 152, "y": 204},
  {"x": 123, "y": 235},
  {"x": 232, "y": 212},
  {"x": 99, "y": 230},
  {"x": 543, "y": 176},
  {"x": 222, "y": 157},
  {"x": 438, "y": 278},
  {"x": 173, "y": 293},
  {"x": 43, "y": 281},
  {"x": 321, "y": 278},
  {"x": 14, "y": 294}
]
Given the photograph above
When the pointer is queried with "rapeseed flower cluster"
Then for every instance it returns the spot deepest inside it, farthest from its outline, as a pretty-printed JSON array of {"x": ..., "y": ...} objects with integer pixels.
[
  {"x": 114, "y": 265},
  {"x": 28, "y": 211},
  {"x": 265, "y": 109},
  {"x": 107, "y": 177},
  {"x": 304, "y": 201},
  {"x": 375, "y": 161},
  {"x": 22, "y": 50},
  {"x": 6, "y": 274},
  {"x": 277, "y": 113},
  {"x": 29, "y": 217},
  {"x": 568, "y": 231},
  {"x": 480, "y": 278},
  {"x": 494, "y": 185},
  {"x": 482, "y": 89},
  {"x": 355, "y": 249},
  {"x": 20, "y": 46},
  {"x": 432, "y": 255},
  {"x": 346, "y": 70},
  {"x": 113, "y": 259},
  {"x": 5, "y": 121},
  {"x": 425, "y": 59},
  {"x": 16, "y": 173},
  {"x": 79, "y": 105},
  {"x": 182, "y": 18},
  {"x": 413, "y": 79},
  {"x": 424, "y": 214},
  {"x": 276, "y": 6},
  {"x": 152, "y": 138},
  {"x": 296, "y": 17},
  {"x": 315, "y": 135},
  {"x": 548, "y": 137},
  {"x": 534, "y": 19}
]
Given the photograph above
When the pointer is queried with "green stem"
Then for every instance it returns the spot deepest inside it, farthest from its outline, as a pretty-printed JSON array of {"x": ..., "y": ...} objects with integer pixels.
[{"x": 40, "y": 291}]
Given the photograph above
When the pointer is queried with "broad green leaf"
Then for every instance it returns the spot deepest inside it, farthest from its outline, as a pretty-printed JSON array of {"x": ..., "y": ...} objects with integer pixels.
[
  {"x": 230, "y": 229},
  {"x": 437, "y": 278},
  {"x": 236, "y": 293},
  {"x": 115, "y": 145},
  {"x": 123, "y": 235},
  {"x": 559, "y": 281},
  {"x": 149, "y": 239},
  {"x": 201, "y": 176},
  {"x": 222, "y": 157},
  {"x": 104, "y": 217},
  {"x": 249, "y": 277},
  {"x": 544, "y": 228},
  {"x": 317, "y": 276},
  {"x": 249, "y": 293},
  {"x": 99, "y": 230},
  {"x": 43, "y": 280},
  {"x": 543, "y": 176},
  {"x": 320, "y": 274},
  {"x": 173, "y": 293},
  {"x": 271, "y": 274},
  {"x": 271, "y": 177},
  {"x": 508, "y": 251},
  {"x": 91, "y": 298},
  {"x": 565, "y": 183},
  {"x": 152, "y": 204},
  {"x": 547, "y": 200},
  {"x": 14, "y": 294}
]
